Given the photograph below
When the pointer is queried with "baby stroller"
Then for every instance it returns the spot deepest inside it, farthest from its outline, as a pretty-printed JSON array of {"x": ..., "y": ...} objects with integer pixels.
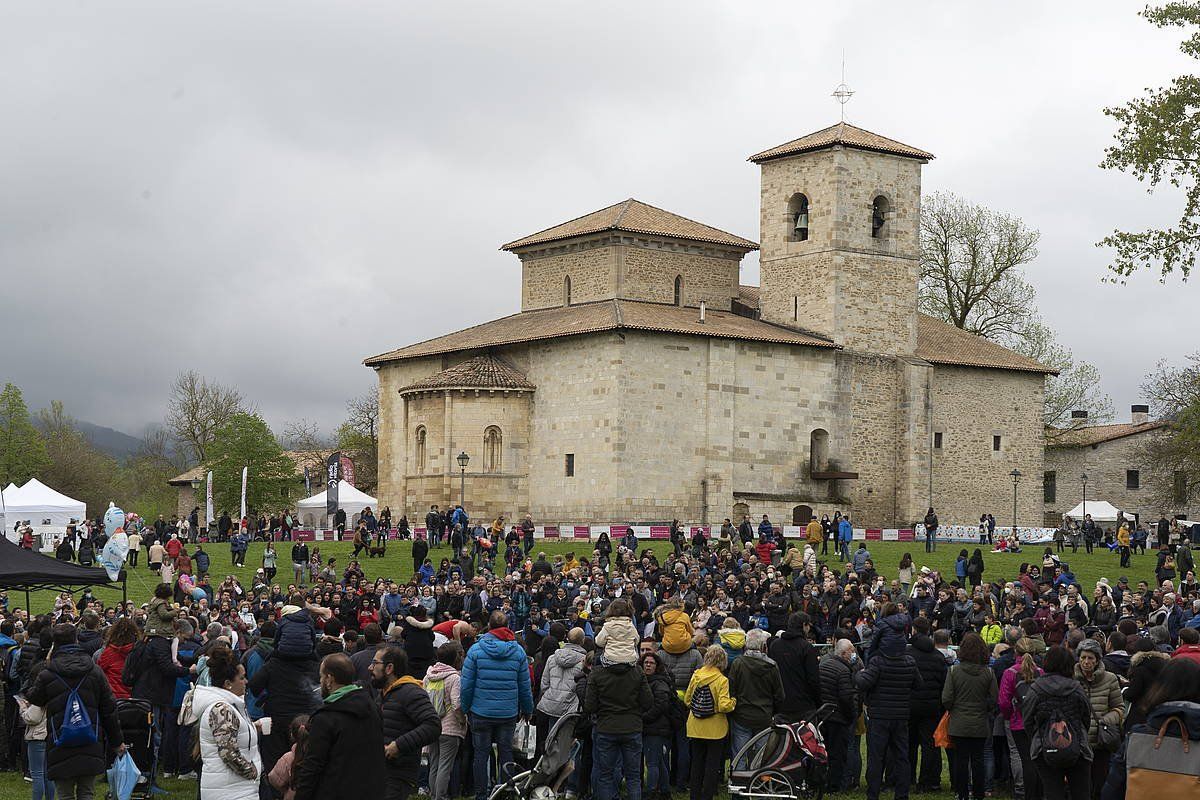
[
  {"x": 136, "y": 727},
  {"x": 544, "y": 781},
  {"x": 787, "y": 761}
]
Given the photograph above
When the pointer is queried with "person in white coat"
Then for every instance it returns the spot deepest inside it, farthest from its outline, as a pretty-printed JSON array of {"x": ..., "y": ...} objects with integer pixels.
[{"x": 230, "y": 762}]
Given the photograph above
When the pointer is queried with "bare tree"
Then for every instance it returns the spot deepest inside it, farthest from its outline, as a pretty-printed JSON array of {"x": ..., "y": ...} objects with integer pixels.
[
  {"x": 197, "y": 408},
  {"x": 359, "y": 435},
  {"x": 1075, "y": 387},
  {"x": 1172, "y": 457},
  {"x": 302, "y": 436},
  {"x": 971, "y": 259}
]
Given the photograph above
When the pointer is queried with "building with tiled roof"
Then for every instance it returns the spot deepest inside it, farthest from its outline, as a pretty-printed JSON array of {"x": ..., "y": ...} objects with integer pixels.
[
  {"x": 1112, "y": 456},
  {"x": 641, "y": 381}
]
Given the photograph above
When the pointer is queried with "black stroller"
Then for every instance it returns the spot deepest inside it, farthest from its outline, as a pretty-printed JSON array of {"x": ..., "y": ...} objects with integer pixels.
[
  {"x": 136, "y": 727},
  {"x": 545, "y": 780},
  {"x": 787, "y": 761}
]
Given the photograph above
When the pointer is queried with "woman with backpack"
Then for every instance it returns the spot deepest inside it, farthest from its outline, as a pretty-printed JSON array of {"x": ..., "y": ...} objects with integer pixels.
[
  {"x": 969, "y": 695},
  {"x": 442, "y": 682},
  {"x": 709, "y": 702},
  {"x": 1015, "y": 685},
  {"x": 1057, "y": 713},
  {"x": 1108, "y": 708}
]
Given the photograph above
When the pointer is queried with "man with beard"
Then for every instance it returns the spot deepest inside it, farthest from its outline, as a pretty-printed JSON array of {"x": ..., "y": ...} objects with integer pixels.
[{"x": 409, "y": 720}]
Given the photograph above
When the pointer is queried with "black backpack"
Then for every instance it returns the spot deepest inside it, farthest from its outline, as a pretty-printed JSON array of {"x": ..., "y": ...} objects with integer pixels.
[
  {"x": 703, "y": 703},
  {"x": 1062, "y": 741}
]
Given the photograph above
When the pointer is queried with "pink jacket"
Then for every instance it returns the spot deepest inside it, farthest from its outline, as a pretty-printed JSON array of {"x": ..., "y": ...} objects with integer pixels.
[
  {"x": 453, "y": 721},
  {"x": 1009, "y": 707}
]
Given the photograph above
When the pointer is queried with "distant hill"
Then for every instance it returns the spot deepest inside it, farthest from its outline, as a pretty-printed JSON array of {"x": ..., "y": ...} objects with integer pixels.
[{"x": 112, "y": 442}]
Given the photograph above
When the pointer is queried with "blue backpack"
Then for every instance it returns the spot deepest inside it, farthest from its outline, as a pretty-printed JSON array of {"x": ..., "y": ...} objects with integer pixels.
[{"x": 77, "y": 729}]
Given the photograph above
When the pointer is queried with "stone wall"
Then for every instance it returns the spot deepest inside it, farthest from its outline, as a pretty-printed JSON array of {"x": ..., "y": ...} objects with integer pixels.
[
  {"x": 1105, "y": 464},
  {"x": 649, "y": 269},
  {"x": 970, "y": 406},
  {"x": 842, "y": 282},
  {"x": 591, "y": 265}
]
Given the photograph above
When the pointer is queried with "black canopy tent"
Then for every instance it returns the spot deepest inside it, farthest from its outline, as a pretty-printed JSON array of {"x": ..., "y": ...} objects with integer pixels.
[{"x": 22, "y": 569}]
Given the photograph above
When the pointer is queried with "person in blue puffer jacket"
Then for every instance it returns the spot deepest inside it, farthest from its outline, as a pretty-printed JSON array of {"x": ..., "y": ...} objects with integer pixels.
[{"x": 495, "y": 690}]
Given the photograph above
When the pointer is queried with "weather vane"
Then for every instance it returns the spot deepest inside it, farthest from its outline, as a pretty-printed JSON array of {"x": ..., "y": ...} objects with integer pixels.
[{"x": 843, "y": 93}]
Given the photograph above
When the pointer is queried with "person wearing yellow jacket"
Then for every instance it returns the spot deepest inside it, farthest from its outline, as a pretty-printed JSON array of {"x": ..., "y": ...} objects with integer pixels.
[
  {"x": 814, "y": 533},
  {"x": 1123, "y": 543},
  {"x": 706, "y": 733}
]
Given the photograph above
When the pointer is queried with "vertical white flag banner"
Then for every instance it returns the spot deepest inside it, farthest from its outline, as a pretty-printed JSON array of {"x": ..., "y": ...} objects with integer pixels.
[
  {"x": 208, "y": 514},
  {"x": 245, "y": 471}
]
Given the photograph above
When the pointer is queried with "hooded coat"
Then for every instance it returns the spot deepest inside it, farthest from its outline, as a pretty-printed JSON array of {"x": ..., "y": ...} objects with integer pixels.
[
  {"x": 217, "y": 711},
  {"x": 70, "y": 667},
  {"x": 969, "y": 694},
  {"x": 418, "y": 643},
  {"x": 656, "y": 717},
  {"x": 755, "y": 684},
  {"x": 797, "y": 661},
  {"x": 927, "y": 701},
  {"x": 453, "y": 721},
  {"x": 1104, "y": 695},
  {"x": 557, "y": 695},
  {"x": 716, "y": 726},
  {"x": 1051, "y": 695},
  {"x": 345, "y": 750},
  {"x": 495, "y": 677}
]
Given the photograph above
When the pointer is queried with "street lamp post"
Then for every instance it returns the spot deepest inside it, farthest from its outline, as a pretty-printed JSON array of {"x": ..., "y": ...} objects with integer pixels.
[
  {"x": 463, "y": 459},
  {"x": 1083, "y": 478},
  {"x": 1016, "y": 478}
]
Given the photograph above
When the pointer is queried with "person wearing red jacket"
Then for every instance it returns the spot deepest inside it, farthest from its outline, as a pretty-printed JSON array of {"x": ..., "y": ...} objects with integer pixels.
[
  {"x": 121, "y": 638},
  {"x": 1189, "y": 645}
]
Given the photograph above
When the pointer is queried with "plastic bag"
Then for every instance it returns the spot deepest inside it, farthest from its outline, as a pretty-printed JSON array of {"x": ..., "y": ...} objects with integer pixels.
[
  {"x": 525, "y": 740},
  {"x": 941, "y": 734},
  {"x": 123, "y": 775}
]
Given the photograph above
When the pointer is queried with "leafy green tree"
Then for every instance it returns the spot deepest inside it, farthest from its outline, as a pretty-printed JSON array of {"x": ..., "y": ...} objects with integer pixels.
[
  {"x": 22, "y": 450},
  {"x": 1159, "y": 140},
  {"x": 245, "y": 440}
]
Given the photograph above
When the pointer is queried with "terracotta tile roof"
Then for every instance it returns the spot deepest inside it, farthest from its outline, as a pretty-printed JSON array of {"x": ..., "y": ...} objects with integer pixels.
[
  {"x": 942, "y": 343},
  {"x": 634, "y": 216},
  {"x": 482, "y": 372},
  {"x": 845, "y": 134},
  {"x": 196, "y": 473},
  {"x": 603, "y": 315},
  {"x": 1088, "y": 435},
  {"x": 749, "y": 295}
]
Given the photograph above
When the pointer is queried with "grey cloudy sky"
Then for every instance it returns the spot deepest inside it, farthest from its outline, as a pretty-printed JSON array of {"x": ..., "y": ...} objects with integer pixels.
[{"x": 269, "y": 192}]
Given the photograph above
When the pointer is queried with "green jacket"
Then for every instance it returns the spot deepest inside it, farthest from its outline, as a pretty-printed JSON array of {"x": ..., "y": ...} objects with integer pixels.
[
  {"x": 756, "y": 685},
  {"x": 970, "y": 696}
]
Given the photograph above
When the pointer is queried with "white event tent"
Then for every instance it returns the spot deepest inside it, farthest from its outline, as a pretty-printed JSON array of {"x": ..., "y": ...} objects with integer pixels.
[
  {"x": 46, "y": 509},
  {"x": 350, "y": 500},
  {"x": 1100, "y": 510}
]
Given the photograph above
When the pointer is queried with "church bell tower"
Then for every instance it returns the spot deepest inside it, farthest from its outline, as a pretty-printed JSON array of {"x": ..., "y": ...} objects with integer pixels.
[{"x": 840, "y": 212}]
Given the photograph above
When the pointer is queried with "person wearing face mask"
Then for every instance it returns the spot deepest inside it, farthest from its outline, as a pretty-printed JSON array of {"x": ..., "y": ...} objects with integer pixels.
[{"x": 837, "y": 688}]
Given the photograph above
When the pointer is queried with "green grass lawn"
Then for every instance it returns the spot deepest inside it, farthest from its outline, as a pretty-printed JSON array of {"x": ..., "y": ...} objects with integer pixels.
[{"x": 398, "y": 564}]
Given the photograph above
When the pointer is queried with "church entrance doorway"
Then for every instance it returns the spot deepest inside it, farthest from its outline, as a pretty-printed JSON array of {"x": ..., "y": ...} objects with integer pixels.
[
  {"x": 802, "y": 515},
  {"x": 740, "y": 510}
]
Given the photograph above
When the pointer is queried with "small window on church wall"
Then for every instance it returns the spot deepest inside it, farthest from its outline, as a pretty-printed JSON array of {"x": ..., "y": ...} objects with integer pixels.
[
  {"x": 420, "y": 455},
  {"x": 996, "y": 442},
  {"x": 569, "y": 465},
  {"x": 818, "y": 450},
  {"x": 879, "y": 216},
  {"x": 1133, "y": 479},
  {"x": 567, "y": 291},
  {"x": 678, "y": 290},
  {"x": 798, "y": 218},
  {"x": 493, "y": 443},
  {"x": 937, "y": 440}
]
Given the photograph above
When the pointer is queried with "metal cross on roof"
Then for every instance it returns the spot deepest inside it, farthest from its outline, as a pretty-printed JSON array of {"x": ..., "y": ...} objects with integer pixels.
[{"x": 843, "y": 92}]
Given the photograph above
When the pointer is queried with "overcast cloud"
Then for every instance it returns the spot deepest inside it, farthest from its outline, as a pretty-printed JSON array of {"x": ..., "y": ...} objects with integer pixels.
[{"x": 213, "y": 185}]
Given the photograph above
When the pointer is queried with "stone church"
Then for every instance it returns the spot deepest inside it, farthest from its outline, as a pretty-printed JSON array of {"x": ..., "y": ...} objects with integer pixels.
[{"x": 641, "y": 381}]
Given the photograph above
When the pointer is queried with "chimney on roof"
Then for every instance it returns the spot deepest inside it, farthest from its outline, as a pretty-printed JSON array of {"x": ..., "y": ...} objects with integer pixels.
[
  {"x": 1139, "y": 414},
  {"x": 702, "y": 312},
  {"x": 1079, "y": 416}
]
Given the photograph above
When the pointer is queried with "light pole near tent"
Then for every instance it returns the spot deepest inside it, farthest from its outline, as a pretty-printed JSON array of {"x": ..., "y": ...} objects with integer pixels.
[
  {"x": 1016, "y": 478},
  {"x": 463, "y": 459},
  {"x": 1083, "y": 478}
]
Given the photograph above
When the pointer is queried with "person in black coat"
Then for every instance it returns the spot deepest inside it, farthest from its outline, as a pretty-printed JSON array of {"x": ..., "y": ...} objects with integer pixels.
[
  {"x": 345, "y": 757},
  {"x": 420, "y": 552},
  {"x": 285, "y": 688},
  {"x": 150, "y": 672},
  {"x": 409, "y": 720},
  {"x": 74, "y": 768},
  {"x": 925, "y": 710},
  {"x": 888, "y": 682},
  {"x": 797, "y": 660}
]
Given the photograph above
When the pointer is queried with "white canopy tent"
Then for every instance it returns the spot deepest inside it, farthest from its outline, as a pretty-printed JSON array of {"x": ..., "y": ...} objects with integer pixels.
[
  {"x": 350, "y": 500},
  {"x": 1100, "y": 510},
  {"x": 47, "y": 510}
]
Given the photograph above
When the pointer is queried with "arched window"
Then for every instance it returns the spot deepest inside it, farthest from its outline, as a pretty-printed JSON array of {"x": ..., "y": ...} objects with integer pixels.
[
  {"x": 818, "y": 450},
  {"x": 420, "y": 459},
  {"x": 567, "y": 291},
  {"x": 678, "y": 290},
  {"x": 493, "y": 443},
  {"x": 879, "y": 217},
  {"x": 798, "y": 218}
]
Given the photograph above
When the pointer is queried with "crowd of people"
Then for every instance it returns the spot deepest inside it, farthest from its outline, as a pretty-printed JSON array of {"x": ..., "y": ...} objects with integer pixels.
[{"x": 339, "y": 683}]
